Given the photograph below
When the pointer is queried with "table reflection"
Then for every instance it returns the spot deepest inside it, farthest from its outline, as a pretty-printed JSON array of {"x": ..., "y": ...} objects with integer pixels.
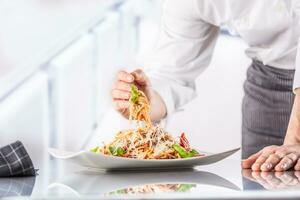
[
  {"x": 155, "y": 188},
  {"x": 254, "y": 180},
  {"x": 138, "y": 182},
  {"x": 16, "y": 186}
]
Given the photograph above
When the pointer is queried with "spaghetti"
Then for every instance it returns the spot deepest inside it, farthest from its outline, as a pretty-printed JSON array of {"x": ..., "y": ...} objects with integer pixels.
[
  {"x": 139, "y": 108},
  {"x": 146, "y": 142}
]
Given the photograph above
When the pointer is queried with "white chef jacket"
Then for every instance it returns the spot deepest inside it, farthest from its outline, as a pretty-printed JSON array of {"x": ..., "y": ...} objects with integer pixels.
[{"x": 189, "y": 30}]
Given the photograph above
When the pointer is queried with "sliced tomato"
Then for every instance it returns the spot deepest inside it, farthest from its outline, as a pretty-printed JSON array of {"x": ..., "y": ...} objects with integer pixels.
[{"x": 184, "y": 142}]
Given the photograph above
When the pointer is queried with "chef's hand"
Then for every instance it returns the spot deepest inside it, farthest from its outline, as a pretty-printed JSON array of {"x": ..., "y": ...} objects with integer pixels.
[
  {"x": 274, "y": 180},
  {"x": 121, "y": 89},
  {"x": 278, "y": 158},
  {"x": 121, "y": 93}
]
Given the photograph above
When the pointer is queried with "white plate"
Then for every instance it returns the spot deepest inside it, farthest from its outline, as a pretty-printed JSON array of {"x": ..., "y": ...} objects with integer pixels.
[{"x": 100, "y": 161}]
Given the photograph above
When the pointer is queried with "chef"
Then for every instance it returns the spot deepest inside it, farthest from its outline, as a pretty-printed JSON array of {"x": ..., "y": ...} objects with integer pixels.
[{"x": 271, "y": 105}]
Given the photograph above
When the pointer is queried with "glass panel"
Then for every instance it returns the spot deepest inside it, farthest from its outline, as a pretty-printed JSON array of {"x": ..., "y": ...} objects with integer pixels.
[
  {"x": 72, "y": 75},
  {"x": 24, "y": 116}
]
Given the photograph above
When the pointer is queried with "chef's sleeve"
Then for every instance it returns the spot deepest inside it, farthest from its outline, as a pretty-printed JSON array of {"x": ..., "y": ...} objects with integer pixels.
[{"x": 184, "y": 49}]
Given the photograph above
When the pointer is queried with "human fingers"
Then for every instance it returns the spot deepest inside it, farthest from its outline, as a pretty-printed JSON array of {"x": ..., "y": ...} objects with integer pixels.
[
  {"x": 270, "y": 162},
  {"x": 121, "y": 85},
  {"x": 287, "y": 162},
  {"x": 266, "y": 152},
  {"x": 120, "y": 94},
  {"x": 140, "y": 77},
  {"x": 125, "y": 77},
  {"x": 120, "y": 105},
  {"x": 247, "y": 163}
]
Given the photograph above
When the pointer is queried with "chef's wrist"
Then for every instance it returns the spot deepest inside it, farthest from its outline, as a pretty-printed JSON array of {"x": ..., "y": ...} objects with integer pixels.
[
  {"x": 158, "y": 108},
  {"x": 293, "y": 133},
  {"x": 293, "y": 130},
  {"x": 291, "y": 140}
]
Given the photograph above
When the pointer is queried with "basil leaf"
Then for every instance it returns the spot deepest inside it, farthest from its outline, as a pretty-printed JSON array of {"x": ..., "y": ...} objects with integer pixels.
[
  {"x": 116, "y": 151},
  {"x": 193, "y": 153},
  {"x": 94, "y": 149},
  {"x": 120, "y": 151},
  {"x": 112, "y": 150},
  {"x": 183, "y": 153},
  {"x": 134, "y": 94},
  {"x": 180, "y": 150}
]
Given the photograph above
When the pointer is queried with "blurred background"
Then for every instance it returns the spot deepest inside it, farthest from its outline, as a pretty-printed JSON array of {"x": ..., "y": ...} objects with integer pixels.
[{"x": 58, "y": 60}]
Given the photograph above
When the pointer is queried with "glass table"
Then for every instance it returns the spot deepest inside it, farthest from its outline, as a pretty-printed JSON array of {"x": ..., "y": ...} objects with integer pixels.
[{"x": 223, "y": 180}]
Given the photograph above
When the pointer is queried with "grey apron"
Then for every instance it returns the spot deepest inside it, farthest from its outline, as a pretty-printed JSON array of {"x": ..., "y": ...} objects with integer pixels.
[{"x": 266, "y": 107}]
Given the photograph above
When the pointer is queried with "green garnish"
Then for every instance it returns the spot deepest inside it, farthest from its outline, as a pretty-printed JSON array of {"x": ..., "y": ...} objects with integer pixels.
[
  {"x": 134, "y": 94},
  {"x": 120, "y": 151},
  {"x": 194, "y": 153},
  {"x": 94, "y": 149},
  {"x": 183, "y": 153},
  {"x": 121, "y": 191},
  {"x": 112, "y": 150},
  {"x": 185, "y": 187},
  {"x": 180, "y": 150},
  {"x": 116, "y": 151}
]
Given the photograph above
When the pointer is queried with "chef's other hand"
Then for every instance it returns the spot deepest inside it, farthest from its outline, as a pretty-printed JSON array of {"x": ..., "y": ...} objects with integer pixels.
[
  {"x": 121, "y": 89},
  {"x": 278, "y": 158}
]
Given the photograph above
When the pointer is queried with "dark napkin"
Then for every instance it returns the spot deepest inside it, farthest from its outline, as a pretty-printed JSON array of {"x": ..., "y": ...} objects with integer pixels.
[{"x": 15, "y": 161}]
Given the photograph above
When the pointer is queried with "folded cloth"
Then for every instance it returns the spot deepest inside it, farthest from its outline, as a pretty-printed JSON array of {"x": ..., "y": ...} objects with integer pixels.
[{"x": 15, "y": 161}]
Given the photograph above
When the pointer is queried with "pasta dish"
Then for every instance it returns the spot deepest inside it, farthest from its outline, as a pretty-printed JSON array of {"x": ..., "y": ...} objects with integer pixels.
[{"x": 147, "y": 141}]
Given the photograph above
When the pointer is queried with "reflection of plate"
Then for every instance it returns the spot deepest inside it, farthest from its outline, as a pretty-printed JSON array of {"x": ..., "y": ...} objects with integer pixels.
[
  {"x": 99, "y": 183},
  {"x": 93, "y": 160},
  {"x": 155, "y": 188}
]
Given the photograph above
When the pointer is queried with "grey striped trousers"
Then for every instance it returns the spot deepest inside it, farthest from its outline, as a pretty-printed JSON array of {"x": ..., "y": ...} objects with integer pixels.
[{"x": 266, "y": 107}]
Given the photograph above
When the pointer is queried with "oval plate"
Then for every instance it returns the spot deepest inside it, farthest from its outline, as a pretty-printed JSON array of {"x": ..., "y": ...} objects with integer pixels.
[{"x": 106, "y": 162}]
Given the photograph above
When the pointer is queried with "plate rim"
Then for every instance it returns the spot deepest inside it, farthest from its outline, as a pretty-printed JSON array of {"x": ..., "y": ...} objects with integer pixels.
[{"x": 74, "y": 154}]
